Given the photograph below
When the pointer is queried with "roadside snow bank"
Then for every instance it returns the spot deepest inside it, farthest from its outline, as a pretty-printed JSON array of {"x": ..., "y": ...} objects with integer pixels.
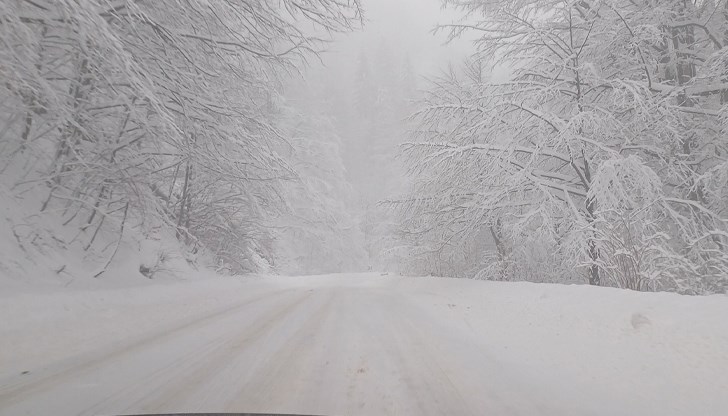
[
  {"x": 628, "y": 350},
  {"x": 38, "y": 252}
]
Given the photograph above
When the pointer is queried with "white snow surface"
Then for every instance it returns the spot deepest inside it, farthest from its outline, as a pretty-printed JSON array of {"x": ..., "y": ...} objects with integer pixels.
[{"x": 360, "y": 344}]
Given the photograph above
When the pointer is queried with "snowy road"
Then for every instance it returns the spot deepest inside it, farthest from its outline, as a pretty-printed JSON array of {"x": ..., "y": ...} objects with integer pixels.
[{"x": 328, "y": 346}]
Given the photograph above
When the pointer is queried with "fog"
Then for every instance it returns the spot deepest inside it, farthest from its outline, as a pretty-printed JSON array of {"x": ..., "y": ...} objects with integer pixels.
[
  {"x": 392, "y": 34},
  {"x": 406, "y": 28},
  {"x": 526, "y": 140}
]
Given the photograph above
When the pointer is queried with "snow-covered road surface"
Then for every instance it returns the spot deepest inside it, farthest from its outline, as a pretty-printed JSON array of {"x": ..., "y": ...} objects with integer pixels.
[{"x": 366, "y": 344}]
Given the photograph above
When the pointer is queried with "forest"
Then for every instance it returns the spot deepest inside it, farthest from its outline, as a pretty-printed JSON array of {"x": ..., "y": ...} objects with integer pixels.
[{"x": 577, "y": 141}]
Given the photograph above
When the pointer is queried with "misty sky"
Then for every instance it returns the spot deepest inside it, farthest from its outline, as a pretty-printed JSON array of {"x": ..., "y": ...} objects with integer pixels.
[{"x": 404, "y": 26}]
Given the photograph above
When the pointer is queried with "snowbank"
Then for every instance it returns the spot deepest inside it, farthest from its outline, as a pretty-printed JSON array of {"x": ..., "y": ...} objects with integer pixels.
[{"x": 627, "y": 350}]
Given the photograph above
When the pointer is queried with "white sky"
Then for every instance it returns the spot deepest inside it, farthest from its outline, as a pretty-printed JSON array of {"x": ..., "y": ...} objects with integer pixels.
[{"x": 405, "y": 27}]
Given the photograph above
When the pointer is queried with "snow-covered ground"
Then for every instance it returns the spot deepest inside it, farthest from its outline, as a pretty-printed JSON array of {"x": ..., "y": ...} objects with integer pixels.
[{"x": 360, "y": 344}]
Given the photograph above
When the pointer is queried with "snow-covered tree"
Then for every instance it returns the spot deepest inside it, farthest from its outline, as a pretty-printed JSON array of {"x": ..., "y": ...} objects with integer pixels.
[
  {"x": 154, "y": 110},
  {"x": 598, "y": 149}
]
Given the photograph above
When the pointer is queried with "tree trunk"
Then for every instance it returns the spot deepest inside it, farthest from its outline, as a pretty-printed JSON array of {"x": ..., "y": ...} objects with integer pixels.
[{"x": 183, "y": 201}]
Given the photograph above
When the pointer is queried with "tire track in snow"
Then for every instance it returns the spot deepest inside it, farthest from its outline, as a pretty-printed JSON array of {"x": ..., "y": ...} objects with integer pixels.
[
  {"x": 20, "y": 387},
  {"x": 178, "y": 389},
  {"x": 291, "y": 363}
]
